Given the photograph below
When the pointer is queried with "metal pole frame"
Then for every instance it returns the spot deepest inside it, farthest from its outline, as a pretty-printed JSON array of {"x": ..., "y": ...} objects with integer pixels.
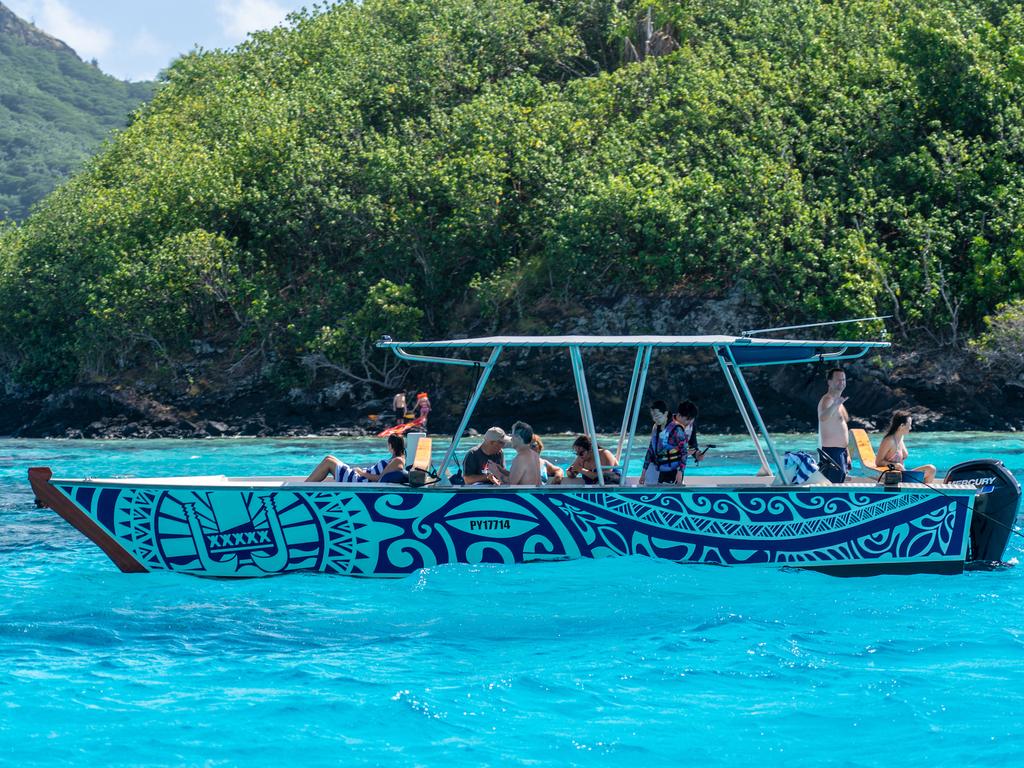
[
  {"x": 467, "y": 415},
  {"x": 585, "y": 409},
  {"x": 743, "y": 410},
  {"x": 641, "y": 385},
  {"x": 629, "y": 404},
  {"x": 579, "y": 389},
  {"x": 757, "y": 414}
]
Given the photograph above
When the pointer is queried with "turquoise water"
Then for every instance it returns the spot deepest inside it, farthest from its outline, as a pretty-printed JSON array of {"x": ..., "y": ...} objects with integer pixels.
[{"x": 612, "y": 662}]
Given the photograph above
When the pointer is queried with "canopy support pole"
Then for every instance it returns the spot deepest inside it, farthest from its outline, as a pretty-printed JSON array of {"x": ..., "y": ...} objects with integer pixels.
[
  {"x": 757, "y": 414},
  {"x": 743, "y": 411},
  {"x": 454, "y": 446},
  {"x": 585, "y": 409},
  {"x": 628, "y": 410},
  {"x": 637, "y": 404}
]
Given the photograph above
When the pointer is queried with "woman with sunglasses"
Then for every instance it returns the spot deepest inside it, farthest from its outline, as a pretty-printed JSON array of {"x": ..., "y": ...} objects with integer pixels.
[{"x": 585, "y": 467}]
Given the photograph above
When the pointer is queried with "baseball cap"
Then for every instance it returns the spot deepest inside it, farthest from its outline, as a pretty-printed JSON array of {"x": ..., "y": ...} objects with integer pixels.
[{"x": 497, "y": 434}]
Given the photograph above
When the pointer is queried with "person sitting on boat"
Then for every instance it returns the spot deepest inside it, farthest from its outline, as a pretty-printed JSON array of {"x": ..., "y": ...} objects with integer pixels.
[
  {"x": 585, "y": 467},
  {"x": 549, "y": 473},
  {"x": 485, "y": 464},
  {"x": 834, "y": 429},
  {"x": 525, "y": 469},
  {"x": 673, "y": 438},
  {"x": 389, "y": 470},
  {"x": 892, "y": 453}
]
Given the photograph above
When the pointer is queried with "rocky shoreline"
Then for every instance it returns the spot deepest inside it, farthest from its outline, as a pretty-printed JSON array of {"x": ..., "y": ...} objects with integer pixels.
[
  {"x": 946, "y": 389},
  {"x": 786, "y": 396}
]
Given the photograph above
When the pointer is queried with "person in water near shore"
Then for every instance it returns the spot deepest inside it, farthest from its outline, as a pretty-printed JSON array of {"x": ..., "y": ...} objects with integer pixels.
[
  {"x": 422, "y": 408},
  {"x": 834, "y": 429},
  {"x": 485, "y": 464},
  {"x": 549, "y": 473},
  {"x": 389, "y": 470},
  {"x": 525, "y": 469},
  {"x": 585, "y": 467},
  {"x": 893, "y": 451},
  {"x": 398, "y": 406},
  {"x": 410, "y": 407}
]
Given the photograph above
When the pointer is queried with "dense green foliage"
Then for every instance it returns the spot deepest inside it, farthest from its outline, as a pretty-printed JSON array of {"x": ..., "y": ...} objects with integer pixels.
[
  {"x": 437, "y": 166},
  {"x": 55, "y": 111},
  {"x": 1001, "y": 347}
]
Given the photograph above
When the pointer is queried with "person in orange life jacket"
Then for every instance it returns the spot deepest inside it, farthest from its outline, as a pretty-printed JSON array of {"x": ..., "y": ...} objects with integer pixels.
[
  {"x": 422, "y": 407},
  {"x": 672, "y": 440}
]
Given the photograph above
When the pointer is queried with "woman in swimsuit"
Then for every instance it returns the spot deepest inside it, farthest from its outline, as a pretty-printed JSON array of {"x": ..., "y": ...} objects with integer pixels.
[
  {"x": 584, "y": 465},
  {"x": 390, "y": 470},
  {"x": 549, "y": 473},
  {"x": 893, "y": 452},
  {"x": 422, "y": 408}
]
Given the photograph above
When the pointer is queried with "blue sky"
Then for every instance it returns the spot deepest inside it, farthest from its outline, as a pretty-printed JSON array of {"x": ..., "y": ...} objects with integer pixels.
[{"x": 135, "y": 39}]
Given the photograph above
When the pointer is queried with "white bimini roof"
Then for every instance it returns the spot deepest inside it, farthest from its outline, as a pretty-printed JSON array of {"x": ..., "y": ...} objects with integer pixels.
[
  {"x": 623, "y": 341},
  {"x": 740, "y": 350}
]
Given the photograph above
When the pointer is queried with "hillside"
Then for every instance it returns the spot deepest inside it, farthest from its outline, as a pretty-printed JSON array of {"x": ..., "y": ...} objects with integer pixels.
[
  {"x": 55, "y": 111},
  {"x": 453, "y": 167}
]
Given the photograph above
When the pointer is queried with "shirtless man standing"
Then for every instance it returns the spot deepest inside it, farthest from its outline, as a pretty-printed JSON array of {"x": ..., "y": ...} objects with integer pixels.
[
  {"x": 833, "y": 432},
  {"x": 525, "y": 469}
]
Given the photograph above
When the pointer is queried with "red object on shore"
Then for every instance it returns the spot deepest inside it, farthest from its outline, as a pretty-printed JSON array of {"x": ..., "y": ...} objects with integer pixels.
[{"x": 401, "y": 429}]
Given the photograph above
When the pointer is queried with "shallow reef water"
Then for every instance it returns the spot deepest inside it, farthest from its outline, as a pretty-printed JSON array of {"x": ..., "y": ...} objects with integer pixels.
[{"x": 612, "y": 662}]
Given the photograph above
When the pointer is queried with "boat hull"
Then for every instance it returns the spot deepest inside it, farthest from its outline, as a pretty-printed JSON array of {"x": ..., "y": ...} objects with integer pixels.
[{"x": 234, "y": 530}]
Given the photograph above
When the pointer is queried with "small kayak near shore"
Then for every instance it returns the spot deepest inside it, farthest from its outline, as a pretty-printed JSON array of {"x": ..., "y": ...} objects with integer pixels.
[{"x": 401, "y": 429}]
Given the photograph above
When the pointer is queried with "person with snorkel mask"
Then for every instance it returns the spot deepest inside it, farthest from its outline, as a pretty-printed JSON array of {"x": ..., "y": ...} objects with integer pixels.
[{"x": 674, "y": 437}]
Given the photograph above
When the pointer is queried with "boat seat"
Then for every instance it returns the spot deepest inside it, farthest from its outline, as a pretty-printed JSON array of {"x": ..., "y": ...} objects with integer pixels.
[
  {"x": 865, "y": 452},
  {"x": 421, "y": 457}
]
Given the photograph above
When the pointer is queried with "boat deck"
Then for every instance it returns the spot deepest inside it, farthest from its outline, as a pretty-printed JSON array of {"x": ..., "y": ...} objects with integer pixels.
[{"x": 279, "y": 481}]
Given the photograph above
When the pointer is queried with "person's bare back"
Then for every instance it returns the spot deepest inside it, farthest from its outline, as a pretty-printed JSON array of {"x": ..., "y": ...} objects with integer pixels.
[
  {"x": 525, "y": 469},
  {"x": 833, "y": 420}
]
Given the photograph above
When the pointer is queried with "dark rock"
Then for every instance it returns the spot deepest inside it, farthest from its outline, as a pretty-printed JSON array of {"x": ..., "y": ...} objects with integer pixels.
[
  {"x": 255, "y": 427},
  {"x": 943, "y": 388}
]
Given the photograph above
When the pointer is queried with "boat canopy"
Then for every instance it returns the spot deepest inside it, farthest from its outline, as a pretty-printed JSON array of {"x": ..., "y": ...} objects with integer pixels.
[
  {"x": 732, "y": 353},
  {"x": 746, "y": 351}
]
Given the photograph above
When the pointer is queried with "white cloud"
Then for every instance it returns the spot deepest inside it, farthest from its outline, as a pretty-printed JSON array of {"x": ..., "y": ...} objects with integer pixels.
[
  {"x": 240, "y": 17},
  {"x": 145, "y": 43},
  {"x": 144, "y": 56},
  {"x": 57, "y": 19}
]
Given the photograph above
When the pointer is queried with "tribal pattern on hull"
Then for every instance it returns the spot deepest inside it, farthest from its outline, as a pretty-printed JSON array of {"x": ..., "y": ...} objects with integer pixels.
[{"x": 374, "y": 531}]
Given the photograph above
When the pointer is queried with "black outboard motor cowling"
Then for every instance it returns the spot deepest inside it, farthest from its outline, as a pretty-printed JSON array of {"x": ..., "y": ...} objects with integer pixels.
[{"x": 994, "y": 513}]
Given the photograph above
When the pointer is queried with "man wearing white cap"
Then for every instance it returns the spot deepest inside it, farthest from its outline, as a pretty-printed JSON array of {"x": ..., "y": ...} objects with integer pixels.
[{"x": 486, "y": 462}]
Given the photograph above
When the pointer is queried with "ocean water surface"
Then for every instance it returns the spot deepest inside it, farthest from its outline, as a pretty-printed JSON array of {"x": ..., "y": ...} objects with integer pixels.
[{"x": 613, "y": 662}]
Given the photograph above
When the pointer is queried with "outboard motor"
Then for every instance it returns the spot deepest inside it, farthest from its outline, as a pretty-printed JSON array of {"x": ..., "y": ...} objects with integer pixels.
[{"x": 995, "y": 513}]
